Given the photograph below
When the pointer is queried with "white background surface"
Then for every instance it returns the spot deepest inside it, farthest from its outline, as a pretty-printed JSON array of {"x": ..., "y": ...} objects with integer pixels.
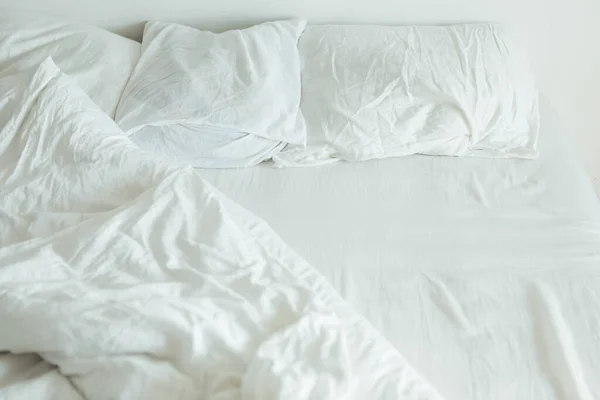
[{"x": 562, "y": 36}]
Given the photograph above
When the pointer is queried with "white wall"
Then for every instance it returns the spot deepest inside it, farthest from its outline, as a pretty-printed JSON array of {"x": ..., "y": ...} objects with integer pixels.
[
  {"x": 562, "y": 36},
  {"x": 565, "y": 49}
]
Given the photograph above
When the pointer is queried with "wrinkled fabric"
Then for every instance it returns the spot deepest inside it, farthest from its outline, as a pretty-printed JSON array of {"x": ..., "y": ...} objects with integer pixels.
[
  {"x": 99, "y": 61},
  {"x": 376, "y": 92},
  {"x": 213, "y": 148},
  {"x": 483, "y": 273},
  {"x": 216, "y": 100},
  {"x": 138, "y": 280}
]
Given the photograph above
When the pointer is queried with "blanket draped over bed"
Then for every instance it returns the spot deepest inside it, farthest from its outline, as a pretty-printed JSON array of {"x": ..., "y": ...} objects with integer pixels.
[{"x": 134, "y": 279}]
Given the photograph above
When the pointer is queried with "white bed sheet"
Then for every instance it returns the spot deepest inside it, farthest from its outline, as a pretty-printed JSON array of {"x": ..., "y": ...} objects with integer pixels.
[{"x": 484, "y": 273}]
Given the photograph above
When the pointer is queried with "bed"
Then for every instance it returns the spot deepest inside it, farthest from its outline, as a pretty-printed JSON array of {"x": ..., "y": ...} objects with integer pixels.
[
  {"x": 418, "y": 277},
  {"x": 482, "y": 272}
]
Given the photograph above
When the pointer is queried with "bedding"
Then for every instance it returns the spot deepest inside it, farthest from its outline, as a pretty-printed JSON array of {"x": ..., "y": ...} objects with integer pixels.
[
  {"x": 376, "y": 91},
  {"x": 9, "y": 93},
  {"x": 123, "y": 277},
  {"x": 216, "y": 100},
  {"x": 100, "y": 62},
  {"x": 483, "y": 273}
]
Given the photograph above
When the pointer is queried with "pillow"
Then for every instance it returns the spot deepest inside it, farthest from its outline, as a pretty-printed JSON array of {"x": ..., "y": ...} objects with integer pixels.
[
  {"x": 216, "y": 100},
  {"x": 374, "y": 92},
  {"x": 100, "y": 62},
  {"x": 211, "y": 148}
]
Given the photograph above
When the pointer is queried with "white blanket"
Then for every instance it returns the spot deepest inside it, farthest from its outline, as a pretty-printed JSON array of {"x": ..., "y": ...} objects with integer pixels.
[{"x": 137, "y": 280}]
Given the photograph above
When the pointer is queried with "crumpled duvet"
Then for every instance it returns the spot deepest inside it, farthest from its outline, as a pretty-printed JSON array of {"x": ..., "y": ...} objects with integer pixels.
[{"x": 134, "y": 279}]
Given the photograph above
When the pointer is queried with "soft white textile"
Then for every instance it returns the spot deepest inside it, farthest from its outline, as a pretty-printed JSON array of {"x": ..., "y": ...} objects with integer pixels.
[
  {"x": 137, "y": 280},
  {"x": 484, "y": 273},
  {"x": 10, "y": 88},
  {"x": 375, "y": 92},
  {"x": 100, "y": 62},
  {"x": 211, "y": 148},
  {"x": 245, "y": 83}
]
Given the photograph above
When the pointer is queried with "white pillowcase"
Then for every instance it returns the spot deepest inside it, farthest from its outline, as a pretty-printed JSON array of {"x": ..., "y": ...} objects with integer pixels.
[
  {"x": 99, "y": 62},
  {"x": 209, "y": 148},
  {"x": 375, "y": 92},
  {"x": 216, "y": 100}
]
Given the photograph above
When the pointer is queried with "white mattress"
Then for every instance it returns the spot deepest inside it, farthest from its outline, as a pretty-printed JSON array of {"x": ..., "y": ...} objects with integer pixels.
[{"x": 484, "y": 273}]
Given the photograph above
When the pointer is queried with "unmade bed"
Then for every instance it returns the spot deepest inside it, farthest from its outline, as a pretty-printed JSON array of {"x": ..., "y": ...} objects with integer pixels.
[
  {"x": 483, "y": 273},
  {"x": 327, "y": 260}
]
